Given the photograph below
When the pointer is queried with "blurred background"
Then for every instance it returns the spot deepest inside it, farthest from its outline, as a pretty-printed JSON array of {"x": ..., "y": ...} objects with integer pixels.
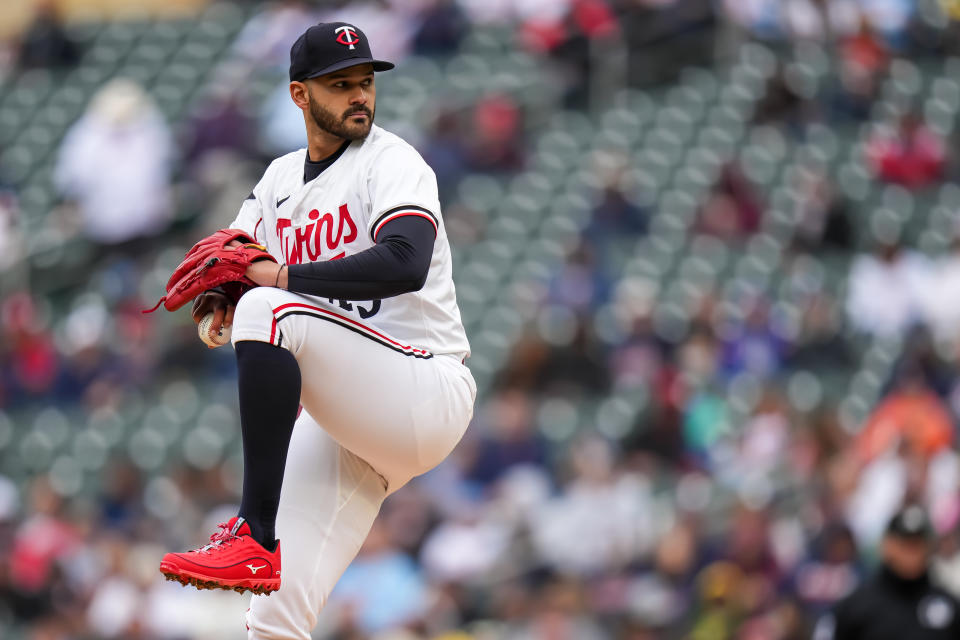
[{"x": 707, "y": 253}]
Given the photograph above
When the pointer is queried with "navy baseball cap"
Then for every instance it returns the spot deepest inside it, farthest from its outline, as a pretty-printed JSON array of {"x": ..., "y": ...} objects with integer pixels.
[
  {"x": 910, "y": 522},
  {"x": 328, "y": 47}
]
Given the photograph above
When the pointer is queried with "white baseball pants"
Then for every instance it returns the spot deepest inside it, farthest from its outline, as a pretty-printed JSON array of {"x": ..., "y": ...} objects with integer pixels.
[{"x": 375, "y": 414}]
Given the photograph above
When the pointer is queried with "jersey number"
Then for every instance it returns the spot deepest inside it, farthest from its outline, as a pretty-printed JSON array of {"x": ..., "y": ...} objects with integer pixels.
[{"x": 346, "y": 305}]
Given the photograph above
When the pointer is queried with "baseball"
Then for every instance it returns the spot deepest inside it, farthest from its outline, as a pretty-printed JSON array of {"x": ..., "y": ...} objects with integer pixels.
[{"x": 218, "y": 340}]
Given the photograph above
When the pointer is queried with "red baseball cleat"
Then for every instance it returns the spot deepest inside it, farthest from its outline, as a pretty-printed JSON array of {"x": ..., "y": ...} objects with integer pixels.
[{"x": 232, "y": 560}]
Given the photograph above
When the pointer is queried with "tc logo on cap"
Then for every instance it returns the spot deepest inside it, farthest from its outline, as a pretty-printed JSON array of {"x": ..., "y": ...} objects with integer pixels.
[{"x": 347, "y": 36}]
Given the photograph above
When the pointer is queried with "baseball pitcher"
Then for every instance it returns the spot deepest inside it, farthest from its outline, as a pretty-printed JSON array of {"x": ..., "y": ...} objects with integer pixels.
[{"x": 336, "y": 280}]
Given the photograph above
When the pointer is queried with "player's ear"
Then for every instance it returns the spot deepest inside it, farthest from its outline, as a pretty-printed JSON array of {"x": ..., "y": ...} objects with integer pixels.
[{"x": 299, "y": 94}]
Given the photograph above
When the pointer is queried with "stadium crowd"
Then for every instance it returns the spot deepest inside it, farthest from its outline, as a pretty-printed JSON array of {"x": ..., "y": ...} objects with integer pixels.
[{"x": 717, "y": 515}]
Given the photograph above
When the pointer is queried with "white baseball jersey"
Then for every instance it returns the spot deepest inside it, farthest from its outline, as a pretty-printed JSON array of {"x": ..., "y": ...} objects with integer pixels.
[{"x": 340, "y": 212}]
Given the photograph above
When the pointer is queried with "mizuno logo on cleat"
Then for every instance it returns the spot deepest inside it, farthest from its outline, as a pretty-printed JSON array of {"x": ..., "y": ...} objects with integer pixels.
[{"x": 254, "y": 569}]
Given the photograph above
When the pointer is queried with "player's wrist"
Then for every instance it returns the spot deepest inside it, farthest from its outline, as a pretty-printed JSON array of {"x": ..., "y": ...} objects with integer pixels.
[
  {"x": 266, "y": 274},
  {"x": 281, "y": 279}
]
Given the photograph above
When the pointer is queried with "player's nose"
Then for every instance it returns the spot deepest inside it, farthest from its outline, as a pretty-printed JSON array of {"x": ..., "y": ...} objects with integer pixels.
[{"x": 359, "y": 96}]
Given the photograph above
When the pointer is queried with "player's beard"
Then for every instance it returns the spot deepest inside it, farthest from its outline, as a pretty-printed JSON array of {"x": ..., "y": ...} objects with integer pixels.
[{"x": 342, "y": 127}]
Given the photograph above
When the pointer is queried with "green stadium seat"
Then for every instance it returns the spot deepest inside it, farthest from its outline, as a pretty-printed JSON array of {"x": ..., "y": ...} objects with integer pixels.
[
  {"x": 147, "y": 449},
  {"x": 202, "y": 448},
  {"x": 947, "y": 91}
]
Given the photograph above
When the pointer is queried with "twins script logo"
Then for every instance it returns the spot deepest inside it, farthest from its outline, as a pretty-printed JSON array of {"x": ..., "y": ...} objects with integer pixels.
[
  {"x": 347, "y": 36},
  {"x": 318, "y": 239}
]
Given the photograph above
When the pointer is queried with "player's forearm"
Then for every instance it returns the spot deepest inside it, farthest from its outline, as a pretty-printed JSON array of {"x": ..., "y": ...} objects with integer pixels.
[
  {"x": 368, "y": 275},
  {"x": 397, "y": 264}
]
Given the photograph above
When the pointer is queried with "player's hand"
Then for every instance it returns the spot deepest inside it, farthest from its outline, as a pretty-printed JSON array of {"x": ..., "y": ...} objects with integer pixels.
[{"x": 216, "y": 302}]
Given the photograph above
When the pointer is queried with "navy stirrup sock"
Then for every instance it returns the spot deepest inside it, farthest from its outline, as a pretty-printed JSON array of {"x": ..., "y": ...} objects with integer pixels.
[{"x": 269, "y": 388}]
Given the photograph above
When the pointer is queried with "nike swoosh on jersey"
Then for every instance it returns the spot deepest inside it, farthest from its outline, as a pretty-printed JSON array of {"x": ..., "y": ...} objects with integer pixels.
[
  {"x": 281, "y": 201},
  {"x": 254, "y": 569}
]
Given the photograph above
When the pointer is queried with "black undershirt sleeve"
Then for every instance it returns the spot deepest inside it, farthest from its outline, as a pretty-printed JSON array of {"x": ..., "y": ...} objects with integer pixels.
[{"x": 397, "y": 264}]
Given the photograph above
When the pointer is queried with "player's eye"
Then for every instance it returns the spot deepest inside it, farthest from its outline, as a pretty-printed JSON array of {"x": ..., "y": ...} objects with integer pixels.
[
  {"x": 339, "y": 85},
  {"x": 367, "y": 82}
]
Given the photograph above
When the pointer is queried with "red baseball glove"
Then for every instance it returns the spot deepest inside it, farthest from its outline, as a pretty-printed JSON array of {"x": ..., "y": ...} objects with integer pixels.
[{"x": 213, "y": 263}]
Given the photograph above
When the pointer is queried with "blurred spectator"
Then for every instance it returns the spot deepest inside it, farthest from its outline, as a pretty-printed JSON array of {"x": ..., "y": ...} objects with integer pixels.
[
  {"x": 551, "y": 27},
  {"x": 564, "y": 30},
  {"x": 890, "y": 18},
  {"x": 116, "y": 600},
  {"x": 574, "y": 365},
  {"x": 720, "y": 606},
  {"x": 115, "y": 164},
  {"x": 382, "y": 589},
  {"x": 900, "y": 600},
  {"x": 120, "y": 503},
  {"x": 831, "y": 573},
  {"x": 748, "y": 545},
  {"x": 705, "y": 423},
  {"x": 886, "y": 288},
  {"x": 280, "y": 123},
  {"x": 753, "y": 346},
  {"x": 497, "y": 138},
  {"x": 784, "y": 102},
  {"x": 819, "y": 345},
  {"x": 822, "y": 214},
  {"x": 442, "y": 25},
  {"x": 824, "y": 20},
  {"x": 764, "y": 444},
  {"x": 661, "y": 594},
  {"x": 912, "y": 414},
  {"x": 87, "y": 360},
  {"x": 390, "y": 24},
  {"x": 952, "y": 8},
  {"x": 581, "y": 282},
  {"x": 489, "y": 12},
  {"x": 638, "y": 359},
  {"x": 265, "y": 39},
  {"x": 863, "y": 60},
  {"x": 922, "y": 359},
  {"x": 662, "y": 37},
  {"x": 31, "y": 362},
  {"x": 760, "y": 18},
  {"x": 615, "y": 218},
  {"x": 904, "y": 448},
  {"x": 560, "y": 610},
  {"x": 733, "y": 209},
  {"x": 510, "y": 438},
  {"x": 912, "y": 155},
  {"x": 820, "y": 19},
  {"x": 601, "y": 521},
  {"x": 465, "y": 549},
  {"x": 947, "y": 40},
  {"x": 41, "y": 544},
  {"x": 45, "y": 43},
  {"x": 445, "y": 149},
  {"x": 221, "y": 122}
]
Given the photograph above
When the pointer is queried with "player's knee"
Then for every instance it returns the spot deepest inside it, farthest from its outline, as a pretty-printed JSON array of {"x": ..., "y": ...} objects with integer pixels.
[
  {"x": 255, "y": 306},
  {"x": 253, "y": 318}
]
